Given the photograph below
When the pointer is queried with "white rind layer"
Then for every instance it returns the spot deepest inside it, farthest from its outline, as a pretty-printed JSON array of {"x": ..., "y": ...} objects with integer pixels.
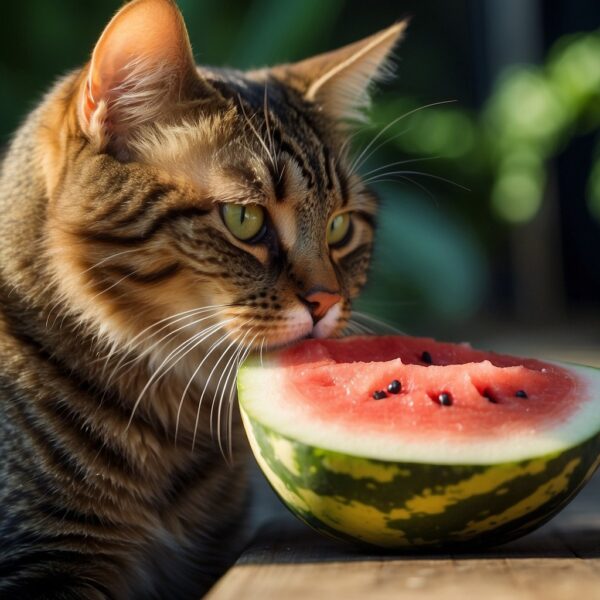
[{"x": 258, "y": 398}]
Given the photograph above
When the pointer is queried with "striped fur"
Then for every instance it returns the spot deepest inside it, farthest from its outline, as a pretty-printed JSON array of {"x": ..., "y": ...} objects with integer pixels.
[{"x": 111, "y": 256}]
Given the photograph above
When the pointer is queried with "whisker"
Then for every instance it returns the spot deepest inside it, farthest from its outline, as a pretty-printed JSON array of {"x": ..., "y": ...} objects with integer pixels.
[
  {"x": 378, "y": 322},
  {"x": 261, "y": 351},
  {"x": 148, "y": 350},
  {"x": 240, "y": 345},
  {"x": 107, "y": 258},
  {"x": 351, "y": 329},
  {"x": 100, "y": 293},
  {"x": 422, "y": 174},
  {"x": 384, "y": 142},
  {"x": 230, "y": 368},
  {"x": 362, "y": 157},
  {"x": 196, "y": 310},
  {"x": 268, "y": 126},
  {"x": 258, "y": 136},
  {"x": 207, "y": 383},
  {"x": 413, "y": 182},
  {"x": 398, "y": 163},
  {"x": 196, "y": 371},
  {"x": 110, "y": 287},
  {"x": 348, "y": 140},
  {"x": 170, "y": 320},
  {"x": 193, "y": 376},
  {"x": 231, "y": 398},
  {"x": 182, "y": 349},
  {"x": 360, "y": 328}
]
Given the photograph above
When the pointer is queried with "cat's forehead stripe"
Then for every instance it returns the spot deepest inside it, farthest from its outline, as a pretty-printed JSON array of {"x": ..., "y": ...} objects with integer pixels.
[{"x": 285, "y": 123}]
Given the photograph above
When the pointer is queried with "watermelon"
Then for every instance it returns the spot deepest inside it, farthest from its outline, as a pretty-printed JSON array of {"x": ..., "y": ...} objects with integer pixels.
[{"x": 404, "y": 442}]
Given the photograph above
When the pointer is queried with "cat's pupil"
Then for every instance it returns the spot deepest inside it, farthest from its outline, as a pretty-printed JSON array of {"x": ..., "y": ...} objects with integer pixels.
[{"x": 242, "y": 214}]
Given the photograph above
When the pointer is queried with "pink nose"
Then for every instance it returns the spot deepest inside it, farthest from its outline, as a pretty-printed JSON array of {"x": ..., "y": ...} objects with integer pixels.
[{"x": 319, "y": 302}]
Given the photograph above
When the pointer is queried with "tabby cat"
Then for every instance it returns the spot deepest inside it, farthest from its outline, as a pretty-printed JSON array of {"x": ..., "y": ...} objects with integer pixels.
[{"x": 159, "y": 220}]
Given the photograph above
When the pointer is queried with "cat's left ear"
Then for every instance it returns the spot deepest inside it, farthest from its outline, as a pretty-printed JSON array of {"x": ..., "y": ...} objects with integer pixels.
[
  {"x": 338, "y": 81},
  {"x": 141, "y": 68}
]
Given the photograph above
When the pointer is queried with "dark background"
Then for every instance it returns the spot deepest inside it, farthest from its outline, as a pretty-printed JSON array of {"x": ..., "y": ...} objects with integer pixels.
[{"x": 518, "y": 253}]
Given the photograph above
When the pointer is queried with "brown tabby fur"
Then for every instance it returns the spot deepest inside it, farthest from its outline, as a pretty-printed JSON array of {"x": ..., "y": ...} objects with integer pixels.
[{"x": 104, "y": 233}]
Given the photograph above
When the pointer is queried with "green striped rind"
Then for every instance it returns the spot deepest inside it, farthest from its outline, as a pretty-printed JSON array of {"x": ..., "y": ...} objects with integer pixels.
[{"x": 415, "y": 505}]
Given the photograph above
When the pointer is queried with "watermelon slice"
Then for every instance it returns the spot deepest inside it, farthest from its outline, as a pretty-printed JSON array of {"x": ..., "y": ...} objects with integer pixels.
[{"x": 409, "y": 442}]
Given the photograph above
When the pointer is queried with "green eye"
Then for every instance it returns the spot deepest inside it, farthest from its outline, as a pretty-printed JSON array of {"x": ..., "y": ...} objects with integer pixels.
[
  {"x": 245, "y": 221},
  {"x": 339, "y": 230}
]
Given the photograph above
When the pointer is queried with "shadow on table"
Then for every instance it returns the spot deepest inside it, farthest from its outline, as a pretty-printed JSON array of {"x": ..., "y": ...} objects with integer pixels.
[{"x": 285, "y": 542}]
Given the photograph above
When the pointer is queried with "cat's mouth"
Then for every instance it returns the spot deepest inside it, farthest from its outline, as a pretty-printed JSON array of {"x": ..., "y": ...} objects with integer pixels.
[{"x": 302, "y": 326}]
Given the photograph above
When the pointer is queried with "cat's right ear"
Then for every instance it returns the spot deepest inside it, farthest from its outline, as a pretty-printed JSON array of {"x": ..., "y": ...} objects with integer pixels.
[{"x": 141, "y": 66}]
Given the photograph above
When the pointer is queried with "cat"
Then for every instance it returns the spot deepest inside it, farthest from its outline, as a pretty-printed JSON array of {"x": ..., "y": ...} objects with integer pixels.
[{"x": 160, "y": 220}]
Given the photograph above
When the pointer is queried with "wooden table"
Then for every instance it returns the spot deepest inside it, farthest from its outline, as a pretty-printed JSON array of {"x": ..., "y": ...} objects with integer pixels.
[{"x": 560, "y": 561}]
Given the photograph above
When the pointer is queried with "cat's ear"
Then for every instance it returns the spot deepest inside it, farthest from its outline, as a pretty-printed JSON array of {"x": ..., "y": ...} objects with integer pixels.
[
  {"x": 338, "y": 81},
  {"x": 142, "y": 63}
]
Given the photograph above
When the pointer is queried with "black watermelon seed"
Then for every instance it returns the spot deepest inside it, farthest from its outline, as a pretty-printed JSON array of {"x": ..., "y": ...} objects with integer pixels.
[
  {"x": 394, "y": 387},
  {"x": 426, "y": 358},
  {"x": 521, "y": 394},
  {"x": 445, "y": 399},
  {"x": 489, "y": 396},
  {"x": 379, "y": 395}
]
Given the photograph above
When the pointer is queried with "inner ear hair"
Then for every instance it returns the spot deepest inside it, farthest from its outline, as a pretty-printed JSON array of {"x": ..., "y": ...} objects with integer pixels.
[
  {"x": 339, "y": 81},
  {"x": 141, "y": 67}
]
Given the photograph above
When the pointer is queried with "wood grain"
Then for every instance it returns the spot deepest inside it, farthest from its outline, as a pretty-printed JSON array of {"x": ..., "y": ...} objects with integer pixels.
[{"x": 561, "y": 561}]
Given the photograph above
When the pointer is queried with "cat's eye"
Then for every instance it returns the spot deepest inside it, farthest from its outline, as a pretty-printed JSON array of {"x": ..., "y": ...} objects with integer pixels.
[
  {"x": 339, "y": 230},
  {"x": 245, "y": 221}
]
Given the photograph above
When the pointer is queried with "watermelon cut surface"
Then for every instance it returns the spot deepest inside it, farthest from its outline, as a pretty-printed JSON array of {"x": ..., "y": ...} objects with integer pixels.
[{"x": 467, "y": 445}]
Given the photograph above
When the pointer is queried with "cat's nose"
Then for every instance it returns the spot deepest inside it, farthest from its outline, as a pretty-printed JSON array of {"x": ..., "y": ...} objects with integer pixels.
[{"x": 319, "y": 301}]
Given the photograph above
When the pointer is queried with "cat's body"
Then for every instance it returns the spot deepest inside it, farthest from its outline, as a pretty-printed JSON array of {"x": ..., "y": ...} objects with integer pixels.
[
  {"x": 115, "y": 249},
  {"x": 86, "y": 495}
]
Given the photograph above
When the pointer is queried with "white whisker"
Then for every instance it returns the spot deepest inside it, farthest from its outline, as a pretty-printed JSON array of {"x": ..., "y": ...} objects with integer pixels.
[
  {"x": 261, "y": 351},
  {"x": 405, "y": 173},
  {"x": 230, "y": 369},
  {"x": 148, "y": 350},
  {"x": 193, "y": 376},
  {"x": 412, "y": 181},
  {"x": 378, "y": 322},
  {"x": 107, "y": 258},
  {"x": 258, "y": 136},
  {"x": 206, "y": 383},
  {"x": 185, "y": 312},
  {"x": 182, "y": 349},
  {"x": 212, "y": 407},
  {"x": 113, "y": 285},
  {"x": 273, "y": 150},
  {"x": 352, "y": 329},
  {"x": 360, "y": 328},
  {"x": 397, "y": 164},
  {"x": 232, "y": 395},
  {"x": 363, "y": 156}
]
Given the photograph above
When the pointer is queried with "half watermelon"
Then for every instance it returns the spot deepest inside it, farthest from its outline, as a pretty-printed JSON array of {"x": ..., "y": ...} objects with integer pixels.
[{"x": 408, "y": 442}]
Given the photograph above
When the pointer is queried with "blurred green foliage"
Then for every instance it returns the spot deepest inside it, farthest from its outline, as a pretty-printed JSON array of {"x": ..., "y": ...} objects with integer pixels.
[
  {"x": 436, "y": 239},
  {"x": 533, "y": 114}
]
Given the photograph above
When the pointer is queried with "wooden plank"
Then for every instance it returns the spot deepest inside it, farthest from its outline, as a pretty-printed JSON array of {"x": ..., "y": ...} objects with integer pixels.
[{"x": 561, "y": 561}]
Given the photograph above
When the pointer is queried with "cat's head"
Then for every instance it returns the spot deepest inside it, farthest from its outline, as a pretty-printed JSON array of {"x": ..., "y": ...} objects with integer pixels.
[{"x": 209, "y": 197}]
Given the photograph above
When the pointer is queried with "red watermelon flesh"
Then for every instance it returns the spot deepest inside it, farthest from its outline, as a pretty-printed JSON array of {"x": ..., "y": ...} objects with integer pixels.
[{"x": 489, "y": 394}]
